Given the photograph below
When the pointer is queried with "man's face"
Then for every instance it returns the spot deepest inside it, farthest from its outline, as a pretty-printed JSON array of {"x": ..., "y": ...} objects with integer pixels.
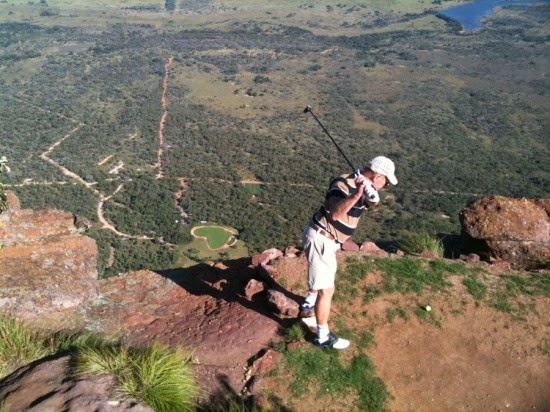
[{"x": 380, "y": 182}]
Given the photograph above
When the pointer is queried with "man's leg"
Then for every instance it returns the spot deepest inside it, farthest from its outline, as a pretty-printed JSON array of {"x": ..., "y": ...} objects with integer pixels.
[
  {"x": 322, "y": 312},
  {"x": 307, "y": 308},
  {"x": 322, "y": 307}
]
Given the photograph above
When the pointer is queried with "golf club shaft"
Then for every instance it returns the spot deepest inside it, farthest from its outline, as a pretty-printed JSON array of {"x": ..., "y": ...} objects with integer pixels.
[{"x": 308, "y": 109}]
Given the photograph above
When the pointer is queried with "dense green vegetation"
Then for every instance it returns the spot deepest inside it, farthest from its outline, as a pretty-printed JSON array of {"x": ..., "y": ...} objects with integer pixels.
[{"x": 462, "y": 116}]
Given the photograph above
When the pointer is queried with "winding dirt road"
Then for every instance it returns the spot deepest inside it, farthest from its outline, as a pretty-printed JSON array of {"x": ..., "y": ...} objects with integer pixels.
[{"x": 164, "y": 103}]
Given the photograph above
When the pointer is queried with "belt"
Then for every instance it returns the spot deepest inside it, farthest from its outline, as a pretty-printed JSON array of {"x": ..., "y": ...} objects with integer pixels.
[{"x": 322, "y": 231}]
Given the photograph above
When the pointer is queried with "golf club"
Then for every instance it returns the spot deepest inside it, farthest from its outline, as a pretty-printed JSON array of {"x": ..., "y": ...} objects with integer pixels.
[{"x": 309, "y": 110}]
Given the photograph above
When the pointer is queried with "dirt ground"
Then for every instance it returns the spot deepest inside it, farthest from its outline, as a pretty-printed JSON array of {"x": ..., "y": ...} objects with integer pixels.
[{"x": 470, "y": 357}]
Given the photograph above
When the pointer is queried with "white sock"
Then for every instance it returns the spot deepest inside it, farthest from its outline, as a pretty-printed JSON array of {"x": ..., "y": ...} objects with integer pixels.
[
  {"x": 322, "y": 333},
  {"x": 311, "y": 298}
]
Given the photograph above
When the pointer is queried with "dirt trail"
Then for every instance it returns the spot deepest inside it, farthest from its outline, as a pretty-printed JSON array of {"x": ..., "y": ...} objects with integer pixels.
[
  {"x": 63, "y": 169},
  {"x": 109, "y": 226},
  {"x": 164, "y": 102},
  {"x": 105, "y": 160},
  {"x": 102, "y": 197}
]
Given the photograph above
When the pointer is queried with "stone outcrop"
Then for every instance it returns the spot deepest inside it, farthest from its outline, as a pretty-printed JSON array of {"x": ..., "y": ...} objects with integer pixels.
[
  {"x": 49, "y": 386},
  {"x": 513, "y": 230},
  {"x": 48, "y": 278},
  {"x": 47, "y": 268}
]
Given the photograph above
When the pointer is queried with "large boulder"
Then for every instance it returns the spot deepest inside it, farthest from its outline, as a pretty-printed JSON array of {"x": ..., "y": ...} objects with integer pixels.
[
  {"x": 48, "y": 270},
  {"x": 514, "y": 230}
]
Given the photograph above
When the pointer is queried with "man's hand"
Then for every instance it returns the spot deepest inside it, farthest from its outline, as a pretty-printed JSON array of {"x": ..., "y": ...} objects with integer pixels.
[{"x": 370, "y": 194}]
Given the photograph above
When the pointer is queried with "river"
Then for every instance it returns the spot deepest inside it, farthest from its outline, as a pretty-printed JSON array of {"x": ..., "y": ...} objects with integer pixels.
[{"x": 471, "y": 15}]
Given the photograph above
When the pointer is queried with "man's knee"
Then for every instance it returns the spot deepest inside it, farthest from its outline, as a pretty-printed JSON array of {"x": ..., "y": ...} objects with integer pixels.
[{"x": 326, "y": 293}]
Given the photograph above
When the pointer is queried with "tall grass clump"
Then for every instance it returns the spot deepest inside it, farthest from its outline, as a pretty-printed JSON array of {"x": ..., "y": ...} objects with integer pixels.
[
  {"x": 19, "y": 345},
  {"x": 157, "y": 376},
  {"x": 422, "y": 242}
]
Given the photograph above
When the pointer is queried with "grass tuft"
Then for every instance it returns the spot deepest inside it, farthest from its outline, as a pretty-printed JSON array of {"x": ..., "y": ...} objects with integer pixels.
[
  {"x": 366, "y": 339},
  {"x": 294, "y": 333},
  {"x": 19, "y": 345},
  {"x": 422, "y": 242},
  {"x": 155, "y": 375}
]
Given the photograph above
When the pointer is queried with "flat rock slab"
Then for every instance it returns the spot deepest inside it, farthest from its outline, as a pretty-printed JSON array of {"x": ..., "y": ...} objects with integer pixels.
[{"x": 203, "y": 308}]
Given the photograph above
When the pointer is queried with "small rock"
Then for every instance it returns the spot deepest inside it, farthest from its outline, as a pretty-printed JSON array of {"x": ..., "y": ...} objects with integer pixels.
[
  {"x": 12, "y": 201},
  {"x": 266, "y": 257},
  {"x": 514, "y": 230},
  {"x": 371, "y": 247},
  {"x": 252, "y": 287},
  {"x": 283, "y": 304},
  {"x": 266, "y": 363},
  {"x": 472, "y": 257},
  {"x": 350, "y": 246},
  {"x": 221, "y": 266},
  {"x": 294, "y": 345},
  {"x": 291, "y": 251}
]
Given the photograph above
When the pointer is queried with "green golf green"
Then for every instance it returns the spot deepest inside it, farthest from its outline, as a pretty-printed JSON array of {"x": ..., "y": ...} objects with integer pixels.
[{"x": 215, "y": 236}]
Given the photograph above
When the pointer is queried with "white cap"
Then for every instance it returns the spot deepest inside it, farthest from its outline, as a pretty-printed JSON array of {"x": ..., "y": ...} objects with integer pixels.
[{"x": 384, "y": 166}]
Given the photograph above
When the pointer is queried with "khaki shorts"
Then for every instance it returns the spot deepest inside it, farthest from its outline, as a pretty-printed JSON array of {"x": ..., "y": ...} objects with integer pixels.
[{"x": 321, "y": 259}]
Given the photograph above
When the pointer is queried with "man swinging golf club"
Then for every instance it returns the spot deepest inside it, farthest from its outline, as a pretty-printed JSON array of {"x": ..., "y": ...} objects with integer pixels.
[{"x": 336, "y": 220}]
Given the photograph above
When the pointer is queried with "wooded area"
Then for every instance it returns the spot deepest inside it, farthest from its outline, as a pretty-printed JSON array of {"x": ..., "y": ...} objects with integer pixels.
[{"x": 461, "y": 115}]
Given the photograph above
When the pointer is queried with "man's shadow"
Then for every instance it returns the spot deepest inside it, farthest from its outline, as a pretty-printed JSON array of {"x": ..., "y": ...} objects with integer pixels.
[{"x": 228, "y": 282}]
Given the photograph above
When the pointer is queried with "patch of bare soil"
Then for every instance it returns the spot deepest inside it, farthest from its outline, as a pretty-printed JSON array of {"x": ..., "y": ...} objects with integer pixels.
[{"x": 462, "y": 356}]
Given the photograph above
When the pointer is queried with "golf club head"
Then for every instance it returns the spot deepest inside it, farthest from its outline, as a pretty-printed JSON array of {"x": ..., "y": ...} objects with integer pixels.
[{"x": 307, "y": 109}]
